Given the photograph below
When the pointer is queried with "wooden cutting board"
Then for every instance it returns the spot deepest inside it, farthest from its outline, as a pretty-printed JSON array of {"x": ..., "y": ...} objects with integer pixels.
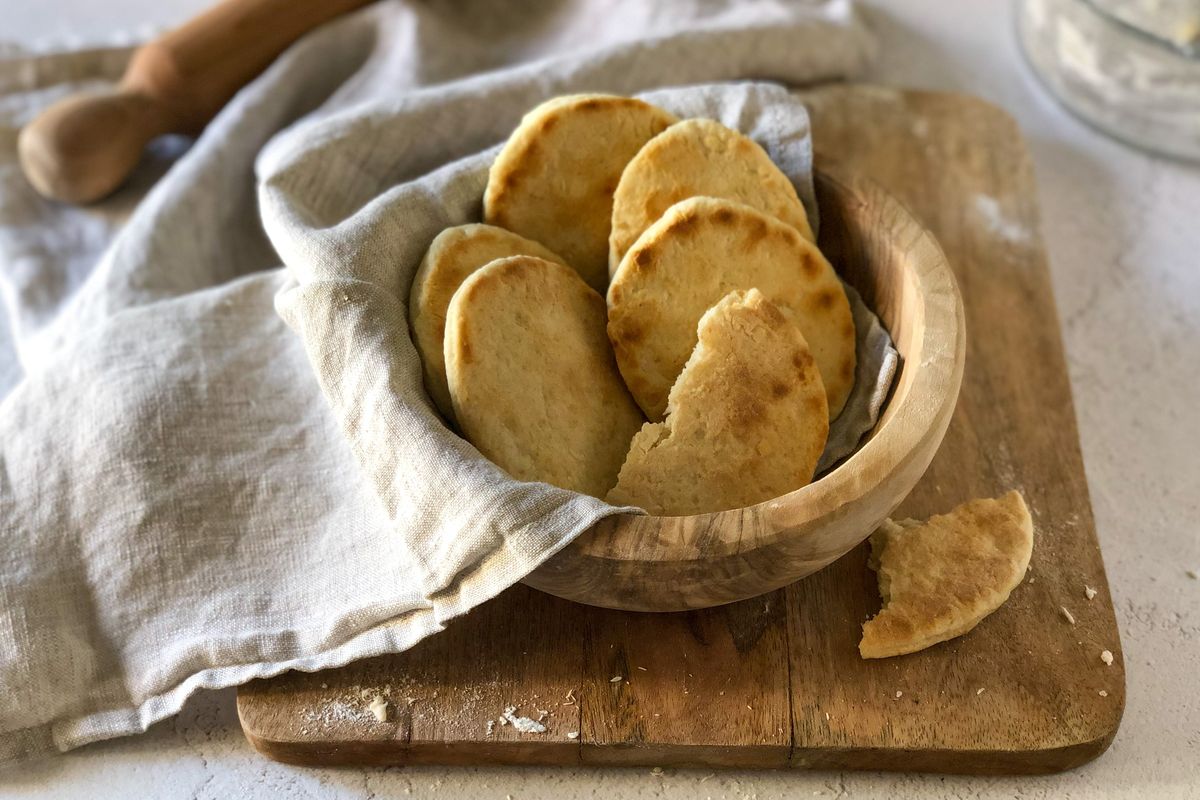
[{"x": 776, "y": 681}]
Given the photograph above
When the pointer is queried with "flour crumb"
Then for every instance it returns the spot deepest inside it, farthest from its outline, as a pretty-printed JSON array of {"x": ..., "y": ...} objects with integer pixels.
[
  {"x": 491, "y": 726},
  {"x": 643, "y": 669},
  {"x": 522, "y": 724},
  {"x": 1089, "y": 592},
  {"x": 573, "y": 735},
  {"x": 749, "y": 706},
  {"x": 379, "y": 707},
  {"x": 570, "y": 699},
  {"x": 1107, "y": 657},
  {"x": 899, "y": 695},
  {"x": 615, "y": 679},
  {"x": 1067, "y": 615},
  {"x": 980, "y": 691},
  {"x": 1103, "y": 693},
  {"x": 324, "y": 685},
  {"x": 826, "y": 716},
  {"x": 988, "y": 209}
]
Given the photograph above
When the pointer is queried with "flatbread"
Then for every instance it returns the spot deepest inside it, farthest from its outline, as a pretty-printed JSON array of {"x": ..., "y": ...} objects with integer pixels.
[
  {"x": 941, "y": 577},
  {"x": 746, "y": 420},
  {"x": 684, "y": 263},
  {"x": 453, "y": 255},
  {"x": 554, "y": 179},
  {"x": 698, "y": 158},
  {"x": 532, "y": 377}
]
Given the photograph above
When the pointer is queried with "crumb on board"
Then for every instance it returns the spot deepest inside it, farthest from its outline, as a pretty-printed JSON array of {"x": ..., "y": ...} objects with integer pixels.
[
  {"x": 616, "y": 679},
  {"x": 979, "y": 691},
  {"x": 656, "y": 771},
  {"x": 522, "y": 724},
  {"x": 899, "y": 695},
  {"x": 1103, "y": 693},
  {"x": 1090, "y": 592},
  {"x": 1067, "y": 615},
  {"x": 643, "y": 669},
  {"x": 1107, "y": 657},
  {"x": 573, "y": 735},
  {"x": 379, "y": 707},
  {"x": 491, "y": 726}
]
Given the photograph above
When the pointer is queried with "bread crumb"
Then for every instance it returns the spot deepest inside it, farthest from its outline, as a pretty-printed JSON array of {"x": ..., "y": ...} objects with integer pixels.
[
  {"x": 573, "y": 735},
  {"x": 522, "y": 724},
  {"x": 979, "y": 691},
  {"x": 1107, "y": 657},
  {"x": 1103, "y": 693},
  {"x": 379, "y": 707},
  {"x": 1067, "y": 614},
  {"x": 643, "y": 669},
  {"x": 324, "y": 685},
  {"x": 491, "y": 726},
  {"x": 749, "y": 706},
  {"x": 1090, "y": 592},
  {"x": 826, "y": 716},
  {"x": 615, "y": 679},
  {"x": 899, "y": 694}
]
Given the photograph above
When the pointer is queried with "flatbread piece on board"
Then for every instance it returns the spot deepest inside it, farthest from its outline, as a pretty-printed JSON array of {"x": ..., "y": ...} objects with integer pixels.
[{"x": 941, "y": 577}]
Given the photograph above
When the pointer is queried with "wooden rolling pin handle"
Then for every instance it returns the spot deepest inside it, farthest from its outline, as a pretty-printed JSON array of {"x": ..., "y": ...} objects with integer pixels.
[{"x": 84, "y": 147}]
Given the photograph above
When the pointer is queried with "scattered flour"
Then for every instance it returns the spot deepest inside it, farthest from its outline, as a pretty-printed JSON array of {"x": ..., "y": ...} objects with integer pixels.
[
  {"x": 522, "y": 724},
  {"x": 989, "y": 211}
]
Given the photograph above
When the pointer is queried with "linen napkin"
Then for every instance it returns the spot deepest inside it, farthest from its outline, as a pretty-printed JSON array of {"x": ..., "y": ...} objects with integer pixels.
[{"x": 194, "y": 492}]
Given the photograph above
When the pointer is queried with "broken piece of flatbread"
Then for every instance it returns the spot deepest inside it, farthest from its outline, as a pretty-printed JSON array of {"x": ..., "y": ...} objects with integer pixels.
[
  {"x": 940, "y": 578},
  {"x": 746, "y": 420},
  {"x": 695, "y": 254}
]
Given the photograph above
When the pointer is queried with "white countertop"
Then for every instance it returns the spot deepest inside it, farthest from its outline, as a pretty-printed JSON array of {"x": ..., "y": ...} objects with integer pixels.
[{"x": 1123, "y": 233}]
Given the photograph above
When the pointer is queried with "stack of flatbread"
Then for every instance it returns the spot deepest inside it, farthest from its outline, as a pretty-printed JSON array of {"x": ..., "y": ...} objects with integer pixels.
[
  {"x": 643, "y": 317},
  {"x": 707, "y": 376}
]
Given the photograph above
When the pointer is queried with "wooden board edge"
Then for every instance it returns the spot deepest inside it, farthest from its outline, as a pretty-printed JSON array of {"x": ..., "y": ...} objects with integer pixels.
[{"x": 956, "y": 762}]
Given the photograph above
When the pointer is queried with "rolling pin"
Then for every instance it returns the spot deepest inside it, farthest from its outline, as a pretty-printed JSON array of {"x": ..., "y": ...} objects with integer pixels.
[{"x": 84, "y": 147}]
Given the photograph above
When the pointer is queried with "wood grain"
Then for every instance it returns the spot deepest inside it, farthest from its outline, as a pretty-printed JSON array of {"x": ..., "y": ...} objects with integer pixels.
[{"x": 796, "y": 650}]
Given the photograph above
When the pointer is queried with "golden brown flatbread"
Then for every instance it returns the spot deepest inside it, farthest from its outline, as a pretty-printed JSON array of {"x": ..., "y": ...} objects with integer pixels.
[
  {"x": 941, "y": 577},
  {"x": 532, "y": 377},
  {"x": 746, "y": 420},
  {"x": 553, "y": 181},
  {"x": 454, "y": 254},
  {"x": 698, "y": 158},
  {"x": 699, "y": 251}
]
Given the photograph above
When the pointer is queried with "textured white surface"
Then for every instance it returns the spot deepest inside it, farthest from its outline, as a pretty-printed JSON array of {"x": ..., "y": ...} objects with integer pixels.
[{"x": 1124, "y": 248}]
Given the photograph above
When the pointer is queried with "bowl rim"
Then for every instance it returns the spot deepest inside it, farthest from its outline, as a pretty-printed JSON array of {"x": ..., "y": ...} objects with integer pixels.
[{"x": 893, "y": 442}]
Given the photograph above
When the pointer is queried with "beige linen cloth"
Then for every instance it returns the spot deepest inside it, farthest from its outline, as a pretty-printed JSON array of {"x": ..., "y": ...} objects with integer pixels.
[{"x": 214, "y": 467}]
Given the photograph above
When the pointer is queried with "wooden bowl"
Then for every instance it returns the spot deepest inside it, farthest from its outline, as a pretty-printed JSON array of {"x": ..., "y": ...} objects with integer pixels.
[{"x": 647, "y": 563}]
